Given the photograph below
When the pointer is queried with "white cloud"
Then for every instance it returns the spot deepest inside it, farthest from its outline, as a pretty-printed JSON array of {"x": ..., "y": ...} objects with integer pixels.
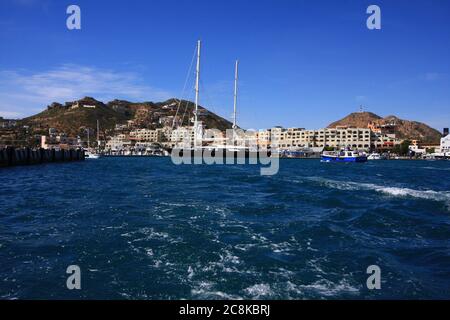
[
  {"x": 9, "y": 115},
  {"x": 24, "y": 93}
]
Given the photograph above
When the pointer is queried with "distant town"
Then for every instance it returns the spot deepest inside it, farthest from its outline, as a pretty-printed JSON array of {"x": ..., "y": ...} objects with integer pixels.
[{"x": 167, "y": 128}]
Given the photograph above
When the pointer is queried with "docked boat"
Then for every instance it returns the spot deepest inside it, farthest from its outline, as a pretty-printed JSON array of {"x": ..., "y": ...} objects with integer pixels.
[
  {"x": 343, "y": 156},
  {"x": 374, "y": 156},
  {"x": 91, "y": 155}
]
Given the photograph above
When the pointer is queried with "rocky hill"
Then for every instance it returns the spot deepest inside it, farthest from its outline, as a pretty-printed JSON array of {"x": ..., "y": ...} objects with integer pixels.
[
  {"x": 356, "y": 119},
  {"x": 74, "y": 117},
  {"x": 404, "y": 129}
]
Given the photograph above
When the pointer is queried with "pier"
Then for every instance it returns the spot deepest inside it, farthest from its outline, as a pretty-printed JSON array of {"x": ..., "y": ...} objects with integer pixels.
[{"x": 10, "y": 156}]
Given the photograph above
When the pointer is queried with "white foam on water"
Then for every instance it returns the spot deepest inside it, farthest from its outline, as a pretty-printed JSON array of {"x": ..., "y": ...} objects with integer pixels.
[
  {"x": 315, "y": 264},
  {"x": 434, "y": 168},
  {"x": 205, "y": 290},
  {"x": 227, "y": 263},
  {"x": 228, "y": 257},
  {"x": 334, "y": 184},
  {"x": 191, "y": 272},
  {"x": 283, "y": 247},
  {"x": 260, "y": 290},
  {"x": 326, "y": 288},
  {"x": 244, "y": 246},
  {"x": 441, "y": 196},
  {"x": 157, "y": 263}
]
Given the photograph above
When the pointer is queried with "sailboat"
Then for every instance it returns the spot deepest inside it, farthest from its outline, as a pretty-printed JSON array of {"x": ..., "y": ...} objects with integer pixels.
[
  {"x": 89, "y": 153},
  {"x": 225, "y": 150}
]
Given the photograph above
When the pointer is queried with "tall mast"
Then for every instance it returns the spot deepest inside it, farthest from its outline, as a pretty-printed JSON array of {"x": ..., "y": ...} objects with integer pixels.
[
  {"x": 197, "y": 80},
  {"x": 235, "y": 93},
  {"x": 98, "y": 135},
  {"x": 88, "y": 138}
]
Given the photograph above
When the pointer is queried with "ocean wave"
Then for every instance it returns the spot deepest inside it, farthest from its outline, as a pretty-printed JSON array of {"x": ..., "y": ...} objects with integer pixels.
[
  {"x": 435, "y": 168},
  {"x": 440, "y": 196}
]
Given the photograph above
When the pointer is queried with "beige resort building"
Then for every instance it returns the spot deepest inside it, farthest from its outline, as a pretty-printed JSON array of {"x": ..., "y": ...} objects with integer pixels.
[
  {"x": 294, "y": 138},
  {"x": 148, "y": 135},
  {"x": 277, "y": 137}
]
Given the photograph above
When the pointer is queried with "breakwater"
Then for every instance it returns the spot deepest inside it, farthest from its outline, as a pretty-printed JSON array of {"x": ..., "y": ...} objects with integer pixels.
[{"x": 26, "y": 156}]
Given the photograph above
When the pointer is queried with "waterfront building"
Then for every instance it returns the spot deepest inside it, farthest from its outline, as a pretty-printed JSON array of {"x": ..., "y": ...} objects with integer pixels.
[
  {"x": 147, "y": 135},
  {"x": 263, "y": 139},
  {"x": 445, "y": 145},
  {"x": 182, "y": 137},
  {"x": 59, "y": 142},
  {"x": 119, "y": 142},
  {"x": 120, "y": 127},
  {"x": 415, "y": 148},
  {"x": 384, "y": 142},
  {"x": 382, "y": 126},
  {"x": 297, "y": 138},
  {"x": 276, "y": 137}
]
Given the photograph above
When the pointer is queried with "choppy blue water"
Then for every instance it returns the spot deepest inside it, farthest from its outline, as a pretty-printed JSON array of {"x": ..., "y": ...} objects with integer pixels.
[{"x": 142, "y": 228}]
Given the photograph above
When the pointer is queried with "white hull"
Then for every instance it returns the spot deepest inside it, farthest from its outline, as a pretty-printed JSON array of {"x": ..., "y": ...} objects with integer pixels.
[
  {"x": 89, "y": 155},
  {"x": 374, "y": 156}
]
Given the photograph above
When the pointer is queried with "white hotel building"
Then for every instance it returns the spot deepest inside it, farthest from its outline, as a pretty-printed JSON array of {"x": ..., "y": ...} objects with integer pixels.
[
  {"x": 294, "y": 138},
  {"x": 445, "y": 145}
]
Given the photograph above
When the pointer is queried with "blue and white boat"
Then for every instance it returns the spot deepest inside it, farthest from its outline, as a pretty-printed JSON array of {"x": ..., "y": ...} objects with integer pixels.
[{"x": 343, "y": 156}]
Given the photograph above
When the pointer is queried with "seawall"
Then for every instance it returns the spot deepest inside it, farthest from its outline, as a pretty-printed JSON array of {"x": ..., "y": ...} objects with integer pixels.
[{"x": 10, "y": 156}]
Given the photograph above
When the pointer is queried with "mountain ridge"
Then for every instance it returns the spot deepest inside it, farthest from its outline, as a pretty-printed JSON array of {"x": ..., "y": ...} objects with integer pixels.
[
  {"x": 74, "y": 117},
  {"x": 404, "y": 129}
]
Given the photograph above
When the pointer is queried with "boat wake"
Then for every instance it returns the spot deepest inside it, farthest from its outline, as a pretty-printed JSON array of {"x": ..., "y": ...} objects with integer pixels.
[
  {"x": 436, "y": 168},
  {"x": 441, "y": 196}
]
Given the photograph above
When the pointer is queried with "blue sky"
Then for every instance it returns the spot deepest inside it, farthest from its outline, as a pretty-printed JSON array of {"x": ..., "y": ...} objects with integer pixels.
[{"x": 303, "y": 63}]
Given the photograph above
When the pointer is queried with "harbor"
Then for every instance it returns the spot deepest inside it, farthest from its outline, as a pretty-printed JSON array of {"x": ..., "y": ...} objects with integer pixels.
[
  {"x": 215, "y": 159},
  {"x": 379, "y": 139}
]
